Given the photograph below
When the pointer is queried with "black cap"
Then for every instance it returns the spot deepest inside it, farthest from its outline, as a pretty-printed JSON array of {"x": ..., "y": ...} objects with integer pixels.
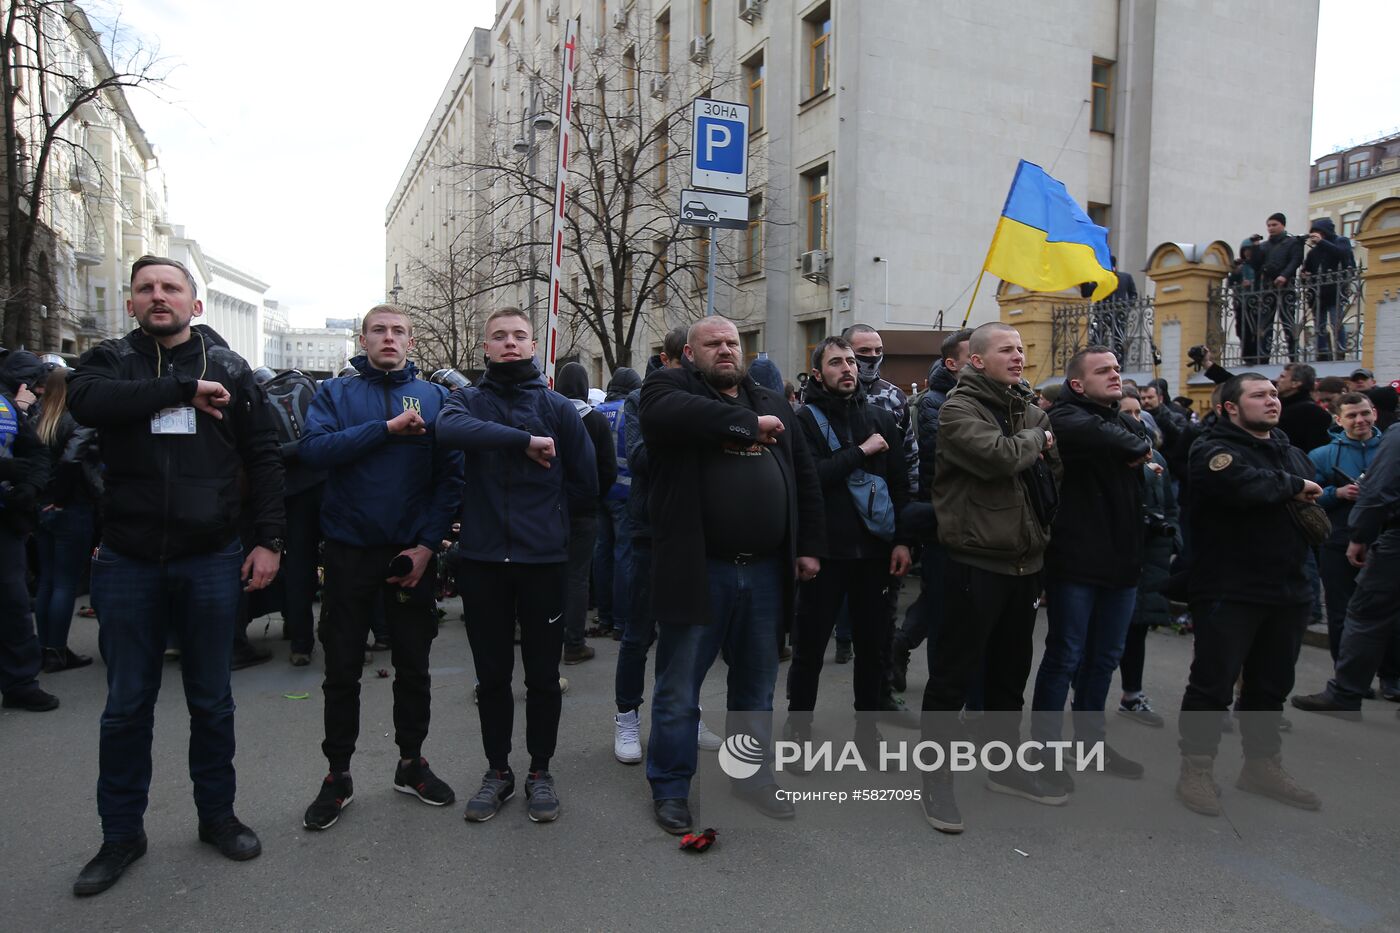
[{"x": 1362, "y": 374}]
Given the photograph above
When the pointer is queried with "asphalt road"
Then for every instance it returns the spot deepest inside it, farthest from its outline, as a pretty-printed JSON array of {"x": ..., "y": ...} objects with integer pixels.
[{"x": 1123, "y": 855}]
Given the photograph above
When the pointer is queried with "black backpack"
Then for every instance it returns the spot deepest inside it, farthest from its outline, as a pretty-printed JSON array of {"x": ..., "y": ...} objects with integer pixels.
[{"x": 290, "y": 395}]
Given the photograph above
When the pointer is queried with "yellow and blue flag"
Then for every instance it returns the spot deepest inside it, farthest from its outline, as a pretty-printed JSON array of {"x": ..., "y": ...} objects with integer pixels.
[{"x": 1044, "y": 242}]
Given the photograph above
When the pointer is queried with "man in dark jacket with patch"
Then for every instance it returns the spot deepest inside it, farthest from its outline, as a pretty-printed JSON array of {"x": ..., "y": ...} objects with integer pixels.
[
  {"x": 391, "y": 491},
  {"x": 1095, "y": 555},
  {"x": 845, "y": 434},
  {"x": 528, "y": 457},
  {"x": 184, "y": 430},
  {"x": 1249, "y": 593},
  {"x": 736, "y": 513}
]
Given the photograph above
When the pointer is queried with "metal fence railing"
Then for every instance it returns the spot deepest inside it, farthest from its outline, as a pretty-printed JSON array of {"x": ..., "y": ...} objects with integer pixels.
[
  {"x": 1125, "y": 327},
  {"x": 1315, "y": 318}
]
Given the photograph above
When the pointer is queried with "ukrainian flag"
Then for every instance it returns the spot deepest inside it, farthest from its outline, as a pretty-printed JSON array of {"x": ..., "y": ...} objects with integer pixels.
[{"x": 1044, "y": 242}]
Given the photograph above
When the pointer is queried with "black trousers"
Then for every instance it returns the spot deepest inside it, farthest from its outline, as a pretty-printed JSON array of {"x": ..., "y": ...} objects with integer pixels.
[
  {"x": 354, "y": 587},
  {"x": 1260, "y": 641},
  {"x": 860, "y": 584},
  {"x": 299, "y": 567},
  {"x": 987, "y": 627},
  {"x": 1134, "y": 660},
  {"x": 502, "y": 595}
]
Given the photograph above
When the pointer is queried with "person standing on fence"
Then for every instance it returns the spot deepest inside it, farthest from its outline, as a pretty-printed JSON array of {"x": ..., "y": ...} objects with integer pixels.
[
  {"x": 1277, "y": 260},
  {"x": 1326, "y": 268}
]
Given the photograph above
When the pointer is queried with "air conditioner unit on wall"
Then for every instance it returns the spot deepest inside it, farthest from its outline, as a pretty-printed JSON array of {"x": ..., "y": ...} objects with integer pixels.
[
  {"x": 619, "y": 20},
  {"x": 552, "y": 14},
  {"x": 658, "y": 85},
  {"x": 750, "y": 10},
  {"x": 599, "y": 45},
  {"x": 814, "y": 265},
  {"x": 700, "y": 49}
]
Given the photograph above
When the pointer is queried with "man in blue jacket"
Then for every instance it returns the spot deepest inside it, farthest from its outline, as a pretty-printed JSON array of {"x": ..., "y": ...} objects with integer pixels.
[
  {"x": 530, "y": 456},
  {"x": 391, "y": 491}
]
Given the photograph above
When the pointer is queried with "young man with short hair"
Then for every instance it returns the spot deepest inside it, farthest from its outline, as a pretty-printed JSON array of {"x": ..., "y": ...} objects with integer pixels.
[
  {"x": 391, "y": 491},
  {"x": 528, "y": 455}
]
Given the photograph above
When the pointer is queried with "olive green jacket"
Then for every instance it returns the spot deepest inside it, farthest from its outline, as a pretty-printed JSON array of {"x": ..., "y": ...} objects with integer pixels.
[{"x": 985, "y": 515}]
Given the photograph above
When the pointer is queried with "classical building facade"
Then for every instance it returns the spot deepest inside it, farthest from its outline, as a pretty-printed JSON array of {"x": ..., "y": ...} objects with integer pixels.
[{"x": 884, "y": 135}]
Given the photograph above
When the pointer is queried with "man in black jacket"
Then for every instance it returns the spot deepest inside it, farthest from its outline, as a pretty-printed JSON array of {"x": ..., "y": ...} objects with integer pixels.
[
  {"x": 24, "y": 473},
  {"x": 736, "y": 513},
  {"x": 1248, "y": 591},
  {"x": 1276, "y": 261},
  {"x": 183, "y": 426},
  {"x": 1095, "y": 555},
  {"x": 1307, "y": 424},
  {"x": 1327, "y": 262},
  {"x": 1373, "y": 612},
  {"x": 845, "y": 434}
]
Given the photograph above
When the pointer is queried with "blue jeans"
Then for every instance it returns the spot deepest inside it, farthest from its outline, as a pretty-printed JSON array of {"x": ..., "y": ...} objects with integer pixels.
[
  {"x": 63, "y": 542},
  {"x": 746, "y": 607},
  {"x": 137, "y": 602},
  {"x": 1088, "y": 626},
  {"x": 638, "y": 635},
  {"x": 612, "y": 565}
]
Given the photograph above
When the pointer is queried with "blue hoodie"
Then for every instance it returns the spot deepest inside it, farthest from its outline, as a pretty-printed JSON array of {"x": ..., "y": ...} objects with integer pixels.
[
  {"x": 1350, "y": 457},
  {"x": 381, "y": 489},
  {"x": 513, "y": 509}
]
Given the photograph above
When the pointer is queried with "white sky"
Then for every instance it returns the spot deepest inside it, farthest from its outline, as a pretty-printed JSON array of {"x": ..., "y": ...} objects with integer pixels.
[{"x": 287, "y": 124}]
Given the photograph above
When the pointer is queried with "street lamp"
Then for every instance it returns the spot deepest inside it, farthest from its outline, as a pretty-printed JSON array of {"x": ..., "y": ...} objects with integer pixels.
[{"x": 397, "y": 289}]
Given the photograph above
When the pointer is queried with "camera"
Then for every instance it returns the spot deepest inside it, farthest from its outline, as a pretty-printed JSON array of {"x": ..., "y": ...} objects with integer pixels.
[{"x": 1157, "y": 525}]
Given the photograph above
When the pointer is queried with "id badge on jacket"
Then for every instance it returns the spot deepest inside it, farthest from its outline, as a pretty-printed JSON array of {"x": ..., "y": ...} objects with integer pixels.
[{"x": 179, "y": 420}]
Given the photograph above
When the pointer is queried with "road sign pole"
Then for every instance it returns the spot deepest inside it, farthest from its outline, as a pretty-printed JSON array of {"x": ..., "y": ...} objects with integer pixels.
[
  {"x": 710, "y": 280},
  {"x": 561, "y": 166}
]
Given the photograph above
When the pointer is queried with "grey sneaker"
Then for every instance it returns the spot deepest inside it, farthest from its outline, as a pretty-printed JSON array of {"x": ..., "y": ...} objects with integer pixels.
[
  {"x": 542, "y": 803},
  {"x": 1139, "y": 709},
  {"x": 496, "y": 788}
]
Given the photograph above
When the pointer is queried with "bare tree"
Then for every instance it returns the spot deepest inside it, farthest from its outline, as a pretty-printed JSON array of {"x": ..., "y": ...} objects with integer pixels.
[
  {"x": 444, "y": 316},
  {"x": 628, "y": 263},
  {"x": 54, "y": 63}
]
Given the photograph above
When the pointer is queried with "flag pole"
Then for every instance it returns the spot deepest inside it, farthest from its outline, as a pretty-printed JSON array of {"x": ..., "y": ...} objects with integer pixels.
[{"x": 974, "y": 291}]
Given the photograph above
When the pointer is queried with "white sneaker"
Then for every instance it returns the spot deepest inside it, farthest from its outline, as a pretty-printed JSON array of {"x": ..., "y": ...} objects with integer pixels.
[
  {"x": 627, "y": 737},
  {"x": 707, "y": 740}
]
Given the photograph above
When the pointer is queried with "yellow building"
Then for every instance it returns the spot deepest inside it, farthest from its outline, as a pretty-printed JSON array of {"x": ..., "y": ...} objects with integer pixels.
[{"x": 1346, "y": 182}]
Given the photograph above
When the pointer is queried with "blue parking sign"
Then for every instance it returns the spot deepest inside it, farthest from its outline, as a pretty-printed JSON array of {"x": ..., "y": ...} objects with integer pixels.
[{"x": 719, "y": 146}]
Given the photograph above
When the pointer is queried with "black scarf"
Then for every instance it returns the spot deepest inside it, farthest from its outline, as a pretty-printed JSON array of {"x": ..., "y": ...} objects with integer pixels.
[{"x": 513, "y": 372}]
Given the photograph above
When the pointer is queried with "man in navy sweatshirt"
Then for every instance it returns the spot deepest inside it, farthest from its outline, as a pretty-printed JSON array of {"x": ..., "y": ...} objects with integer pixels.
[
  {"x": 391, "y": 492},
  {"x": 529, "y": 456}
]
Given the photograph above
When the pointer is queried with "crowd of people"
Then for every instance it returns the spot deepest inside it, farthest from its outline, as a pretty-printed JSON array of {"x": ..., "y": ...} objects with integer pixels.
[{"x": 708, "y": 510}]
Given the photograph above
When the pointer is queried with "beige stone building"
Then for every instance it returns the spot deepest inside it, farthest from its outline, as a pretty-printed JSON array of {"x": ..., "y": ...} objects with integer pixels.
[
  {"x": 1346, "y": 182},
  {"x": 884, "y": 137}
]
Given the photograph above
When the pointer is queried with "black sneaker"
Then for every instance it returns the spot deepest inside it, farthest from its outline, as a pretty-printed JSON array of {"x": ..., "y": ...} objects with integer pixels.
[
  {"x": 496, "y": 788},
  {"x": 1027, "y": 785},
  {"x": 1139, "y": 709},
  {"x": 337, "y": 790},
  {"x": 843, "y": 651},
  {"x": 899, "y": 666},
  {"x": 246, "y": 654},
  {"x": 1120, "y": 765},
  {"x": 1059, "y": 778},
  {"x": 542, "y": 803},
  {"x": 32, "y": 699},
  {"x": 940, "y": 807},
  {"x": 233, "y": 839},
  {"x": 107, "y": 866},
  {"x": 1324, "y": 702},
  {"x": 417, "y": 778}
]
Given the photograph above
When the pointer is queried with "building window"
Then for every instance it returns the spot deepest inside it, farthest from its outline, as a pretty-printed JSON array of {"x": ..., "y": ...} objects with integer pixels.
[
  {"x": 748, "y": 342},
  {"x": 753, "y": 78},
  {"x": 1101, "y": 88},
  {"x": 1350, "y": 223},
  {"x": 663, "y": 41},
  {"x": 707, "y": 17},
  {"x": 1359, "y": 165},
  {"x": 629, "y": 77},
  {"x": 753, "y": 237},
  {"x": 658, "y": 291},
  {"x": 1326, "y": 174},
  {"x": 817, "y": 27},
  {"x": 1098, "y": 213},
  {"x": 812, "y": 334},
  {"x": 816, "y": 186}
]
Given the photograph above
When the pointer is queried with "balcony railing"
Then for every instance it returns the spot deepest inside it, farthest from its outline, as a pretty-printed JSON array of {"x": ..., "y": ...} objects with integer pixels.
[
  {"x": 1316, "y": 318},
  {"x": 1123, "y": 326}
]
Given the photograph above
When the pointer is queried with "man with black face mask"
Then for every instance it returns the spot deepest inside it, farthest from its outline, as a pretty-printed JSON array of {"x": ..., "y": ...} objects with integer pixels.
[
  {"x": 530, "y": 456},
  {"x": 846, "y": 435},
  {"x": 869, "y": 351}
]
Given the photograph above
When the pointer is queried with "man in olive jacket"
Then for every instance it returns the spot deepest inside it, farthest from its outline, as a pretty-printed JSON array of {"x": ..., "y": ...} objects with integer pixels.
[{"x": 993, "y": 527}]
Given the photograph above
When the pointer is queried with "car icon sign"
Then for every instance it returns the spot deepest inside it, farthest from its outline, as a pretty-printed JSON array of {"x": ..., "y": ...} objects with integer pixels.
[{"x": 693, "y": 209}]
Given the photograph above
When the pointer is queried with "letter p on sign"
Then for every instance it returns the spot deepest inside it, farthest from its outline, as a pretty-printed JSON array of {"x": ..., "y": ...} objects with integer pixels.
[{"x": 717, "y": 136}]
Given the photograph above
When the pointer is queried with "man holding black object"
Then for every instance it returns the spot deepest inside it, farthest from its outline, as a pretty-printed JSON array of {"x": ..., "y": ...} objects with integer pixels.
[
  {"x": 182, "y": 427},
  {"x": 391, "y": 493}
]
